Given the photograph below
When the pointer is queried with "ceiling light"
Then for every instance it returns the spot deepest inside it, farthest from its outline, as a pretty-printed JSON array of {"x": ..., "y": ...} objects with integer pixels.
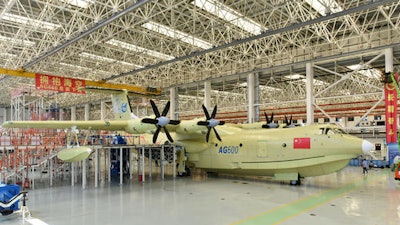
[
  {"x": 324, "y": 7},
  {"x": 102, "y": 58},
  {"x": 303, "y": 79},
  {"x": 17, "y": 41},
  {"x": 224, "y": 12},
  {"x": 167, "y": 31},
  {"x": 361, "y": 69},
  {"x": 79, "y": 3},
  {"x": 30, "y": 22},
  {"x": 136, "y": 48}
]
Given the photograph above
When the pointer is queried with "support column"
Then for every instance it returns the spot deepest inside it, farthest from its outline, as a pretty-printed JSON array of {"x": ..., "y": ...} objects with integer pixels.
[
  {"x": 121, "y": 167},
  {"x": 61, "y": 114},
  {"x": 87, "y": 112},
  {"x": 84, "y": 162},
  {"x": 251, "y": 98},
  {"x": 174, "y": 99},
  {"x": 84, "y": 173},
  {"x": 309, "y": 93},
  {"x": 207, "y": 94},
  {"x": 102, "y": 110},
  {"x": 51, "y": 171},
  {"x": 96, "y": 167},
  {"x": 72, "y": 174},
  {"x": 162, "y": 158},
  {"x": 150, "y": 162},
  {"x": 73, "y": 113}
]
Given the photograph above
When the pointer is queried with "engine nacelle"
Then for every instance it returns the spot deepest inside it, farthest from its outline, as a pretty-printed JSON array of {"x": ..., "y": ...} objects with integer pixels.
[{"x": 190, "y": 127}]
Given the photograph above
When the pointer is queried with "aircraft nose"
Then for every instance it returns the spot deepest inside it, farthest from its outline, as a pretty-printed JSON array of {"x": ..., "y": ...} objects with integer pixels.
[{"x": 367, "y": 146}]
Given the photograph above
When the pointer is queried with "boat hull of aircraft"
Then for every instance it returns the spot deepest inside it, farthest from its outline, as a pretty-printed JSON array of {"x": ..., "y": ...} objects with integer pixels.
[{"x": 285, "y": 154}]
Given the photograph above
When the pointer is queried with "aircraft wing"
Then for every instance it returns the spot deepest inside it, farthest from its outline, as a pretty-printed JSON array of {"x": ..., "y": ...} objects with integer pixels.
[{"x": 87, "y": 125}]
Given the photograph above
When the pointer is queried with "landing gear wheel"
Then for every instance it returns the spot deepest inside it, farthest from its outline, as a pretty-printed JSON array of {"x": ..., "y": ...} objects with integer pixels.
[{"x": 296, "y": 182}]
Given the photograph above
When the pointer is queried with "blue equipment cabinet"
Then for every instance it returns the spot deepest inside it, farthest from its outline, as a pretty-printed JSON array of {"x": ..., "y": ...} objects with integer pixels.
[{"x": 8, "y": 192}]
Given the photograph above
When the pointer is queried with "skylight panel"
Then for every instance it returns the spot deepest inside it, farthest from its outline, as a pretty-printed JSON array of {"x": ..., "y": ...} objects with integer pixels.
[
  {"x": 324, "y": 7},
  {"x": 371, "y": 73},
  {"x": 136, "y": 48},
  {"x": 167, "y": 31},
  {"x": 79, "y": 3},
  {"x": 74, "y": 66},
  {"x": 102, "y": 58},
  {"x": 262, "y": 87},
  {"x": 303, "y": 79},
  {"x": 295, "y": 76},
  {"x": 17, "y": 41},
  {"x": 30, "y": 22},
  {"x": 7, "y": 55},
  {"x": 222, "y": 11}
]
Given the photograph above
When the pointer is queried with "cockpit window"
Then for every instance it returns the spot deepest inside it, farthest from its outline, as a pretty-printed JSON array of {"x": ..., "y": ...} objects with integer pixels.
[
  {"x": 329, "y": 131},
  {"x": 339, "y": 131}
]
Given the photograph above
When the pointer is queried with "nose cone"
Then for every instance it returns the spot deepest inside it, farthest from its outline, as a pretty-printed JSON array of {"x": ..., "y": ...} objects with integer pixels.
[{"x": 367, "y": 146}]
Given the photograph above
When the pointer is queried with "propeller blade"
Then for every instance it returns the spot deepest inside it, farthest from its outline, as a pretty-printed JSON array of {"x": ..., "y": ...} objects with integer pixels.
[
  {"x": 221, "y": 123},
  {"x": 266, "y": 117},
  {"x": 166, "y": 109},
  {"x": 271, "y": 120},
  {"x": 155, "y": 136},
  {"x": 208, "y": 133},
  {"x": 216, "y": 134},
  {"x": 174, "y": 122},
  {"x": 206, "y": 113},
  {"x": 149, "y": 120},
  {"x": 202, "y": 123},
  {"x": 155, "y": 109},
  {"x": 168, "y": 135},
  {"x": 214, "y": 112}
]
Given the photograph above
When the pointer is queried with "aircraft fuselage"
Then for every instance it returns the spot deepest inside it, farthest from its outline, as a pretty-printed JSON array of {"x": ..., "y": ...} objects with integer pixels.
[{"x": 307, "y": 151}]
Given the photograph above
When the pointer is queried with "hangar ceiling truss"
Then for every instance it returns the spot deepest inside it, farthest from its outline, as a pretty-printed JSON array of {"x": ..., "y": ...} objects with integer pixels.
[{"x": 182, "y": 43}]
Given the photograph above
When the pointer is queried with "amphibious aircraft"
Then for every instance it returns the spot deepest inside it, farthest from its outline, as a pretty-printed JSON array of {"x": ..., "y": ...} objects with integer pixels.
[{"x": 284, "y": 152}]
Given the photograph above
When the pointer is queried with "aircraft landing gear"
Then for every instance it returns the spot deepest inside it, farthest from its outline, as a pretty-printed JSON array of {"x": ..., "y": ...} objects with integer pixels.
[
  {"x": 296, "y": 182},
  {"x": 184, "y": 174}
]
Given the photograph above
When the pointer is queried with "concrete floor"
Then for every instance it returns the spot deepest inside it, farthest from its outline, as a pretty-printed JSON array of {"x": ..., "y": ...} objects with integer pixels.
[{"x": 347, "y": 197}]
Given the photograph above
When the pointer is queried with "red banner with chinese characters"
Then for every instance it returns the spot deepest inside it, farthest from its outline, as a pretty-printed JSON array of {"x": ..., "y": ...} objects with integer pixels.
[
  {"x": 391, "y": 111},
  {"x": 61, "y": 84}
]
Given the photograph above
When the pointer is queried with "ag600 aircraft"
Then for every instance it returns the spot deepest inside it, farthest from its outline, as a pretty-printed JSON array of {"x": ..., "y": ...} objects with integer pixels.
[{"x": 251, "y": 149}]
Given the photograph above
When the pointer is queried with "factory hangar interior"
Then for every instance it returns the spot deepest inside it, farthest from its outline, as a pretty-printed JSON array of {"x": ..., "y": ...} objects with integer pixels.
[{"x": 313, "y": 61}]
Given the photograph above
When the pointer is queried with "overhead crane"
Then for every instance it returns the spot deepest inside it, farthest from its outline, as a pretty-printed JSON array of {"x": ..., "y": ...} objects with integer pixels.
[{"x": 101, "y": 84}]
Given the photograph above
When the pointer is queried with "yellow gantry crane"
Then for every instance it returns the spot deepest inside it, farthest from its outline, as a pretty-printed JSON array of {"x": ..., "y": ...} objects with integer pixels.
[{"x": 101, "y": 84}]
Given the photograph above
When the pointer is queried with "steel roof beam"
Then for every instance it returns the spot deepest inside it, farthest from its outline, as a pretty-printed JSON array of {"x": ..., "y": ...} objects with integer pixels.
[
  {"x": 85, "y": 33},
  {"x": 371, "y": 5}
]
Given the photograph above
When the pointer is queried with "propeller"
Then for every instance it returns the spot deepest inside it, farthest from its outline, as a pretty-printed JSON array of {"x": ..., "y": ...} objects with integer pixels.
[
  {"x": 270, "y": 122},
  {"x": 211, "y": 122},
  {"x": 289, "y": 123},
  {"x": 160, "y": 121}
]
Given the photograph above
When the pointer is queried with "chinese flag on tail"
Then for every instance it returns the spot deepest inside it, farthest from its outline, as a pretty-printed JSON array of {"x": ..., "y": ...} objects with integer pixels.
[{"x": 301, "y": 143}]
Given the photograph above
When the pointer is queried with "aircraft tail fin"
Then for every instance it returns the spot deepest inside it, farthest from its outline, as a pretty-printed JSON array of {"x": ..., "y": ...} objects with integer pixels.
[
  {"x": 120, "y": 101},
  {"x": 121, "y": 106}
]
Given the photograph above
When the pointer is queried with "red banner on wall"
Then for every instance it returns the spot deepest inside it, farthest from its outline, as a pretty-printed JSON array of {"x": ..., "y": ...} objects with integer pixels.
[
  {"x": 62, "y": 84},
  {"x": 391, "y": 111}
]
